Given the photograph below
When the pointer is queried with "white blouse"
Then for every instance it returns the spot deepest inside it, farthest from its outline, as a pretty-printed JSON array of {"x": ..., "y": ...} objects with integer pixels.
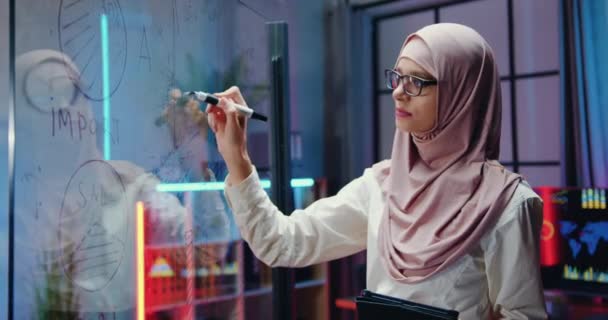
[{"x": 499, "y": 278}]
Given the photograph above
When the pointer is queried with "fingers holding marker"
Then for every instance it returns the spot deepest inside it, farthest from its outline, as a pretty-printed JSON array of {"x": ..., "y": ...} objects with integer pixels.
[
  {"x": 211, "y": 119},
  {"x": 224, "y": 112},
  {"x": 217, "y": 112},
  {"x": 233, "y": 115},
  {"x": 227, "y": 104},
  {"x": 232, "y": 119},
  {"x": 216, "y": 116},
  {"x": 233, "y": 93},
  {"x": 235, "y": 101},
  {"x": 237, "y": 117},
  {"x": 230, "y": 92}
]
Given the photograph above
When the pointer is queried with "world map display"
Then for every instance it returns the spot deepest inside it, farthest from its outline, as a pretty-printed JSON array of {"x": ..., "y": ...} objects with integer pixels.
[
  {"x": 590, "y": 235},
  {"x": 587, "y": 243}
]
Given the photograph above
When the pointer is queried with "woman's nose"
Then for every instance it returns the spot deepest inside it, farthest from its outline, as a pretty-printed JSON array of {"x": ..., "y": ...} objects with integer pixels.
[{"x": 398, "y": 93}]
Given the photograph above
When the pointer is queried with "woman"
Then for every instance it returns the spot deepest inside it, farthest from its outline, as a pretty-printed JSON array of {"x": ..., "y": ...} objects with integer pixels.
[{"x": 443, "y": 222}]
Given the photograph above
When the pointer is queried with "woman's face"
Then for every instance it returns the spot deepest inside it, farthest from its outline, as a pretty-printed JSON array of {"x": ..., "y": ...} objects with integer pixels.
[{"x": 415, "y": 114}]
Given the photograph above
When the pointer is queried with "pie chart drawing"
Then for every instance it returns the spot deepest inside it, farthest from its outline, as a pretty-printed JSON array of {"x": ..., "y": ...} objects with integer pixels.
[
  {"x": 79, "y": 25},
  {"x": 93, "y": 225}
]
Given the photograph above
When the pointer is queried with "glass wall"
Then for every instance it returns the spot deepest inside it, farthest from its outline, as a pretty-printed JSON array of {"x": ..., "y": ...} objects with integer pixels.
[{"x": 118, "y": 196}]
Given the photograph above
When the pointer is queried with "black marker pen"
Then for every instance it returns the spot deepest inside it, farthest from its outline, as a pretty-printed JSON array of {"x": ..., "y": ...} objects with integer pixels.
[{"x": 211, "y": 99}]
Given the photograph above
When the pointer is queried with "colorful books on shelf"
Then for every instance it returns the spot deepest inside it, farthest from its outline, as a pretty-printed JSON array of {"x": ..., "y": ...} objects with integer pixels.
[{"x": 174, "y": 277}]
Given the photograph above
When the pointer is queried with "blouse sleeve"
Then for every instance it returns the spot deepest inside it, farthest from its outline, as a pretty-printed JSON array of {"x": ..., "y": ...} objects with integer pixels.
[
  {"x": 512, "y": 264},
  {"x": 328, "y": 229}
]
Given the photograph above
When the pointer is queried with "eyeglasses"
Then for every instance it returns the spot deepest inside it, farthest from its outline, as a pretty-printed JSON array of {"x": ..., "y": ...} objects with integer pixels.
[{"x": 412, "y": 85}]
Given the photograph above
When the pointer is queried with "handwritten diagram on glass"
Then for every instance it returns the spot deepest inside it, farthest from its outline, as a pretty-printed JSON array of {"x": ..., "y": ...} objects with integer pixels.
[
  {"x": 80, "y": 38},
  {"x": 92, "y": 75},
  {"x": 94, "y": 216}
]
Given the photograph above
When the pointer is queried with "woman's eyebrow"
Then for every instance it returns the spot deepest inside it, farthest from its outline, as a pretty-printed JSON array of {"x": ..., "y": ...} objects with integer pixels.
[
  {"x": 416, "y": 73},
  {"x": 420, "y": 74}
]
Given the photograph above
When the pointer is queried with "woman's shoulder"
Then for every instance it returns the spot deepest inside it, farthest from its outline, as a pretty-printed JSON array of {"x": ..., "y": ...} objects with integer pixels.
[
  {"x": 523, "y": 211},
  {"x": 369, "y": 177},
  {"x": 378, "y": 171},
  {"x": 368, "y": 182},
  {"x": 523, "y": 201},
  {"x": 381, "y": 165}
]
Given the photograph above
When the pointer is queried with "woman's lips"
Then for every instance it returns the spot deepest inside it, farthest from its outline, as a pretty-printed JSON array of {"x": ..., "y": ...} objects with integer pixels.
[{"x": 402, "y": 113}]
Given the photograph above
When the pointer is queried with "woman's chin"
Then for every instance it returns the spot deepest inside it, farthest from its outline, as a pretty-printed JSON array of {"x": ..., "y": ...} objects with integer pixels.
[{"x": 403, "y": 126}]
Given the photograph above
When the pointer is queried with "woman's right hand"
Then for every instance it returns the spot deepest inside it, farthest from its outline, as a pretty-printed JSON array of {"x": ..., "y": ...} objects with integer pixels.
[{"x": 230, "y": 128}]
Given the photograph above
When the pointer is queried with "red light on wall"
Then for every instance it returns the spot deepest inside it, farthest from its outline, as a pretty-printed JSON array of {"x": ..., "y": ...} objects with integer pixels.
[
  {"x": 549, "y": 243},
  {"x": 548, "y": 231},
  {"x": 140, "y": 271}
]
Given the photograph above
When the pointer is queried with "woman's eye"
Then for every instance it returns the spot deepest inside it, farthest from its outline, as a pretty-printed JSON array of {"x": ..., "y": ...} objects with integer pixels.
[
  {"x": 417, "y": 82},
  {"x": 395, "y": 81}
]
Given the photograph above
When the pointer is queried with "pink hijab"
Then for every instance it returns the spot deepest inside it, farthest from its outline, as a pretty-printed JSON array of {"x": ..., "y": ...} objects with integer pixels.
[{"x": 444, "y": 188}]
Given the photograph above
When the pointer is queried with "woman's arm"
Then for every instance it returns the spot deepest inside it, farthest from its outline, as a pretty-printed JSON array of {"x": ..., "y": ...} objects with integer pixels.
[
  {"x": 328, "y": 229},
  {"x": 512, "y": 265}
]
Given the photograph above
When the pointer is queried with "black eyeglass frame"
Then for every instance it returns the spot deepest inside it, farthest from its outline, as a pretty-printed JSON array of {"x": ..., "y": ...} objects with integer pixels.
[{"x": 423, "y": 82}]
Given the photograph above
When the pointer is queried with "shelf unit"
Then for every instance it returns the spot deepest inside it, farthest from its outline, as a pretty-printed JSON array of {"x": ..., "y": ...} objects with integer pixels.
[
  {"x": 311, "y": 296},
  {"x": 238, "y": 286}
]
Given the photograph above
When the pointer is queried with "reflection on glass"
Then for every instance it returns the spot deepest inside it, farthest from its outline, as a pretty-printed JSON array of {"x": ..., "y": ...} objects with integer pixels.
[
  {"x": 119, "y": 205},
  {"x": 73, "y": 210}
]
